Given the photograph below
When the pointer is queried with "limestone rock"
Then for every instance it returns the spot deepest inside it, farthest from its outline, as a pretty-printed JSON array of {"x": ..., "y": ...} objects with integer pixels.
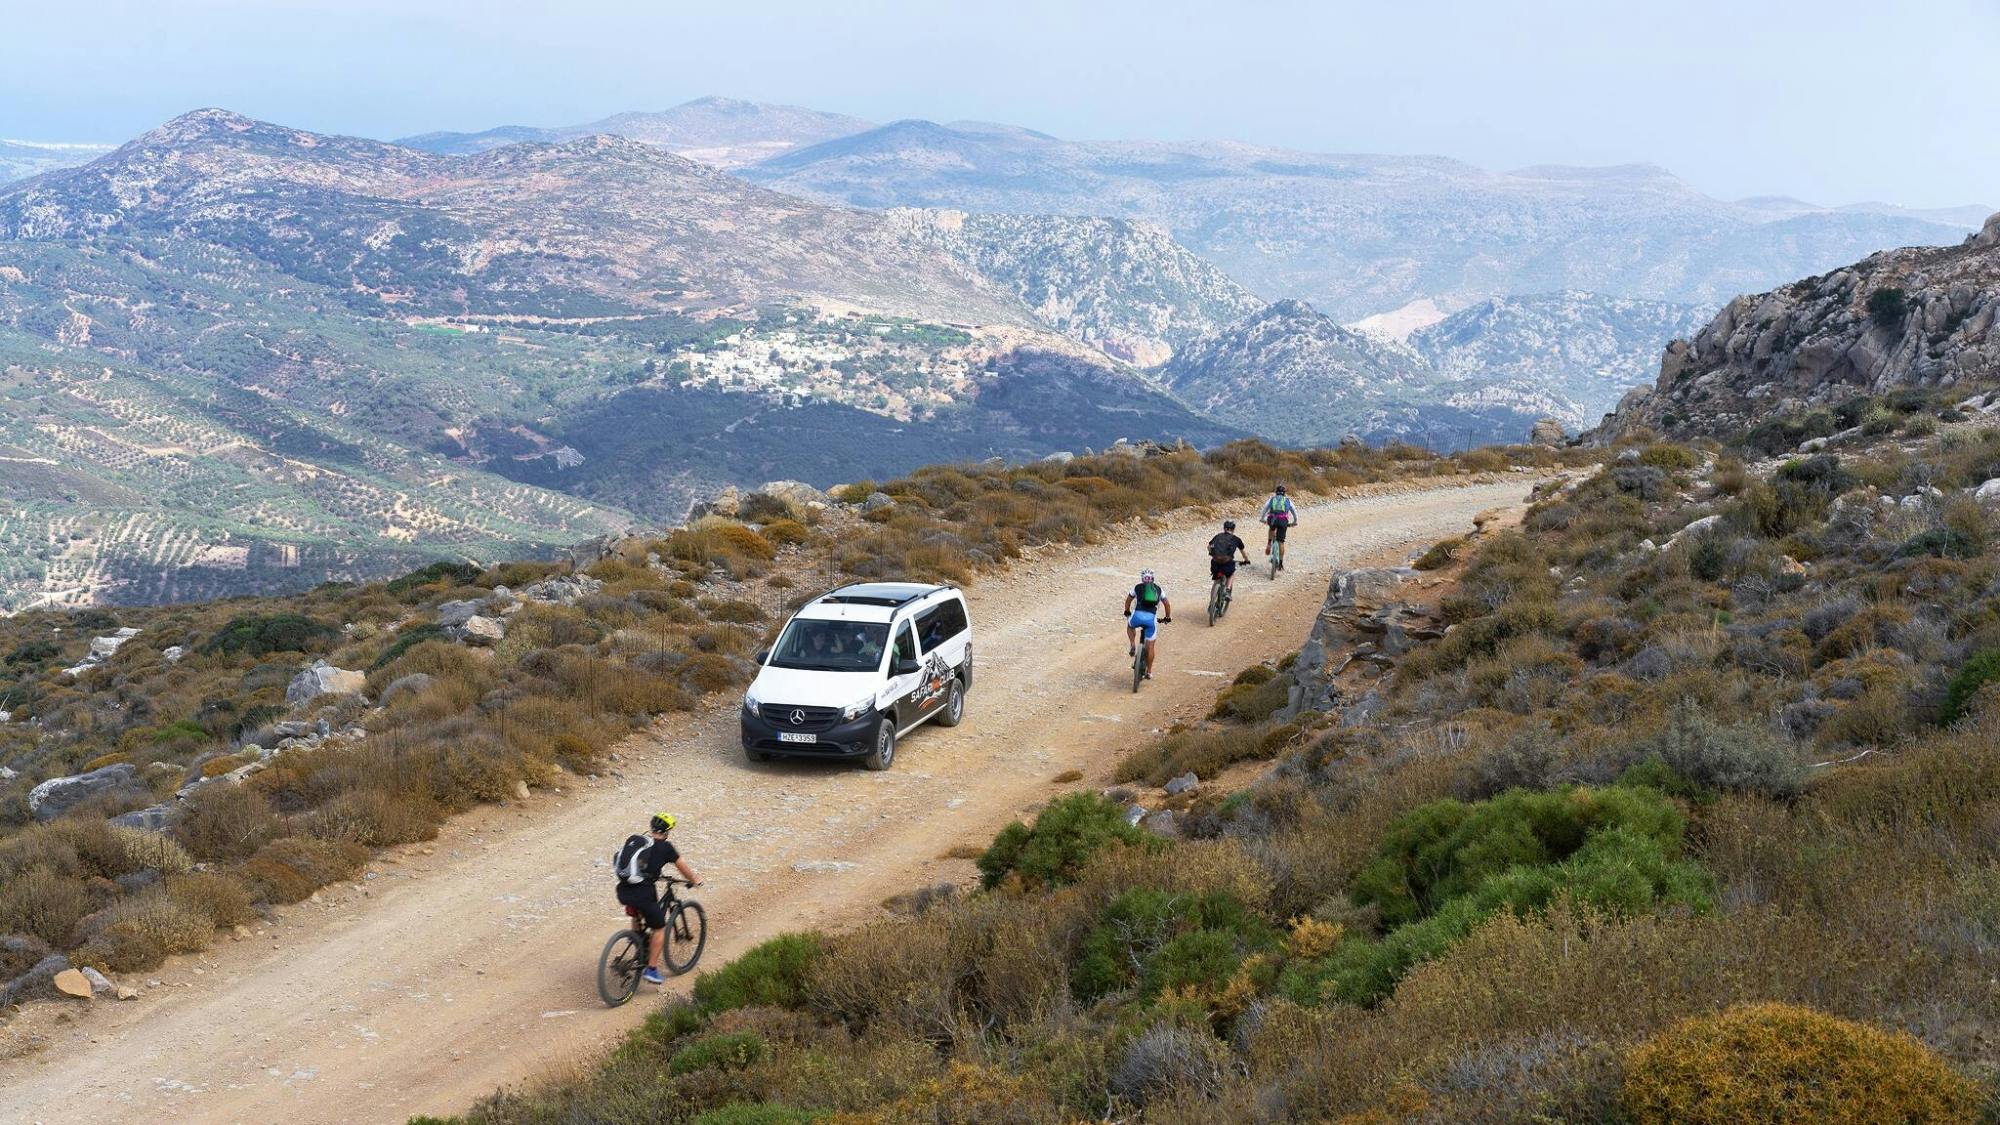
[
  {"x": 99, "y": 985},
  {"x": 877, "y": 501},
  {"x": 1987, "y": 492},
  {"x": 1179, "y": 785},
  {"x": 482, "y": 631},
  {"x": 458, "y": 612},
  {"x": 323, "y": 679},
  {"x": 1061, "y": 458},
  {"x": 797, "y": 493},
  {"x": 1547, "y": 431},
  {"x": 58, "y": 795},
  {"x": 153, "y": 818}
]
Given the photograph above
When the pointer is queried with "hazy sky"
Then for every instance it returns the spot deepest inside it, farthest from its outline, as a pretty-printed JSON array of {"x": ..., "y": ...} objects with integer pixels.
[{"x": 1832, "y": 100}]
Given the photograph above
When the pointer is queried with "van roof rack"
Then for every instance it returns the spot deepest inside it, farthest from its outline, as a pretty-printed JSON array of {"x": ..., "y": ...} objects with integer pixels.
[{"x": 889, "y": 595}]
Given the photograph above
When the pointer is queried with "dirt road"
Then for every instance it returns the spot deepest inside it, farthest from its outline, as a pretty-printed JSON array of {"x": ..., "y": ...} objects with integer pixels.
[{"x": 456, "y": 967}]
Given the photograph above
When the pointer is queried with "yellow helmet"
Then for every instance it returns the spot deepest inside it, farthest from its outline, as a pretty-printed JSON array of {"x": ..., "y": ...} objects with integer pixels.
[{"x": 664, "y": 822}]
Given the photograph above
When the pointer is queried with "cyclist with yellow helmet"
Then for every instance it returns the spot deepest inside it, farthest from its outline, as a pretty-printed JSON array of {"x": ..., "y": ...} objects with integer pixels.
[{"x": 641, "y": 863}]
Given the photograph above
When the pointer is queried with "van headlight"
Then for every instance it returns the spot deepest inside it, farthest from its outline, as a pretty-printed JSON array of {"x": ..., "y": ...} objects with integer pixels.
[
  {"x": 857, "y": 709},
  {"x": 750, "y": 700}
]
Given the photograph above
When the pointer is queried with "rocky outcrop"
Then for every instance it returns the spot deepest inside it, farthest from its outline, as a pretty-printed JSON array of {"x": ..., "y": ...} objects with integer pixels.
[
  {"x": 1548, "y": 432},
  {"x": 1365, "y": 624},
  {"x": 1921, "y": 316}
]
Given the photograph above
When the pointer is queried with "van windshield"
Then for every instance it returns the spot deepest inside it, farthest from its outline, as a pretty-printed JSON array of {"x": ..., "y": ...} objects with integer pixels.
[{"x": 830, "y": 646}]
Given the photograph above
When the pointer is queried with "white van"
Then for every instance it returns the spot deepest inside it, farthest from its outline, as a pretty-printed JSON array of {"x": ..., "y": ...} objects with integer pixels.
[{"x": 858, "y": 668}]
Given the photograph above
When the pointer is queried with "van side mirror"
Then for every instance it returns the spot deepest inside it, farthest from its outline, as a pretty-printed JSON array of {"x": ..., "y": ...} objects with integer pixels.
[
  {"x": 763, "y": 654},
  {"x": 905, "y": 666}
]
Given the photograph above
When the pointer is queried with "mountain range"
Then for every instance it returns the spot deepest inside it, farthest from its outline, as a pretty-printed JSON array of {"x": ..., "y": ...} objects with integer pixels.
[
  {"x": 724, "y": 132},
  {"x": 21, "y": 159},
  {"x": 238, "y": 355}
]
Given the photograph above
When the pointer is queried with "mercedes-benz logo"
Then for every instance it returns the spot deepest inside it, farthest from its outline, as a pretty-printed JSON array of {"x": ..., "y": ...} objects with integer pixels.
[{"x": 798, "y": 718}]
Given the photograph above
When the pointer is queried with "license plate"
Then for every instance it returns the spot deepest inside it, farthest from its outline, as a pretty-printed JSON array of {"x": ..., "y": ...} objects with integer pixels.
[{"x": 788, "y": 736}]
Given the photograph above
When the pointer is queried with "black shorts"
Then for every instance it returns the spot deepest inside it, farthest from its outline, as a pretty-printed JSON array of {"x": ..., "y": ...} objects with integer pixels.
[
  {"x": 1278, "y": 529},
  {"x": 646, "y": 898},
  {"x": 1221, "y": 568}
]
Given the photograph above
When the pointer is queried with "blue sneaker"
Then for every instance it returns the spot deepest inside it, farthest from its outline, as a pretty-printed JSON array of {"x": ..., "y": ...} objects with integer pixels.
[{"x": 653, "y": 976}]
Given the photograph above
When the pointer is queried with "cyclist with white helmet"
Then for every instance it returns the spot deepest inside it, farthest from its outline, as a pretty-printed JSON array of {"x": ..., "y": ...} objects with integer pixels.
[
  {"x": 1278, "y": 515},
  {"x": 1145, "y": 608}
]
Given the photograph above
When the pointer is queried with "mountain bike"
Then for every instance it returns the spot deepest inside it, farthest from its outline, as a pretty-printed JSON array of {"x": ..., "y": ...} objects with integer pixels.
[
  {"x": 1142, "y": 660},
  {"x": 1218, "y": 600},
  {"x": 624, "y": 955},
  {"x": 1277, "y": 557}
]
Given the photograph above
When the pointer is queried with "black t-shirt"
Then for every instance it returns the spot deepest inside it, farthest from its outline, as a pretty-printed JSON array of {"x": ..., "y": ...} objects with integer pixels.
[
  {"x": 1147, "y": 596},
  {"x": 1224, "y": 546},
  {"x": 658, "y": 856}
]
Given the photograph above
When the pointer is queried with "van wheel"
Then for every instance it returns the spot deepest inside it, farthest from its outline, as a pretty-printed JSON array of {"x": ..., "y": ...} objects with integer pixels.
[
  {"x": 757, "y": 755},
  {"x": 965, "y": 672},
  {"x": 884, "y": 754},
  {"x": 954, "y": 705}
]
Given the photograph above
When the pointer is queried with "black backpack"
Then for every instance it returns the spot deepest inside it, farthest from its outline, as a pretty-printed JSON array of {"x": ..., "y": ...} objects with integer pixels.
[{"x": 625, "y": 862}]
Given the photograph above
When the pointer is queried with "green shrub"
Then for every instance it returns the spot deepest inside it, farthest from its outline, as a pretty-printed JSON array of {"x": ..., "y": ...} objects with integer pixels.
[
  {"x": 732, "y": 1051},
  {"x": 749, "y": 1113},
  {"x": 1981, "y": 669},
  {"x": 1887, "y": 306},
  {"x": 1065, "y": 836},
  {"x": 1733, "y": 758},
  {"x": 445, "y": 573},
  {"x": 260, "y": 634},
  {"x": 1157, "y": 940},
  {"x": 1441, "y": 554},
  {"x": 772, "y": 974},
  {"x": 1666, "y": 455},
  {"x": 1763, "y": 1064}
]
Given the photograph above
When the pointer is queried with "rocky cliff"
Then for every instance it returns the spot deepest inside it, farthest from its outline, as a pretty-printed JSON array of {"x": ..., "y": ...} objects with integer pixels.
[{"x": 1916, "y": 317}]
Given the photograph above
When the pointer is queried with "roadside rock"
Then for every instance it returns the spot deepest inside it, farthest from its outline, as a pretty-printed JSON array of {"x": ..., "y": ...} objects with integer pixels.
[
  {"x": 71, "y": 982},
  {"x": 99, "y": 984},
  {"x": 1368, "y": 586},
  {"x": 58, "y": 795},
  {"x": 35, "y": 982},
  {"x": 1179, "y": 785},
  {"x": 1547, "y": 431},
  {"x": 323, "y": 679}
]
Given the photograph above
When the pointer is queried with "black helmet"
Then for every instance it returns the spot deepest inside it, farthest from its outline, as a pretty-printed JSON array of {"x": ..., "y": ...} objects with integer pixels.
[
  {"x": 1229, "y": 525},
  {"x": 1281, "y": 490}
]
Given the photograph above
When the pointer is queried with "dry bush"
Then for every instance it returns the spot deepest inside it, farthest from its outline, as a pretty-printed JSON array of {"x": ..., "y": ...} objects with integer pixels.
[
  {"x": 1781, "y": 1063},
  {"x": 1206, "y": 751},
  {"x": 224, "y": 822},
  {"x": 46, "y": 905},
  {"x": 291, "y": 868},
  {"x": 375, "y": 818},
  {"x": 222, "y": 900}
]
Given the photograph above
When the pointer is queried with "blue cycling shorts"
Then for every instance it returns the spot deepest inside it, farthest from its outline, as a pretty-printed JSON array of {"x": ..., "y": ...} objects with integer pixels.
[{"x": 1147, "y": 620}]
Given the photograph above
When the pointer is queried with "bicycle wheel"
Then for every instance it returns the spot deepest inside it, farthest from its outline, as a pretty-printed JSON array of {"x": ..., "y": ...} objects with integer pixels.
[
  {"x": 1138, "y": 666},
  {"x": 1214, "y": 602},
  {"x": 687, "y": 935},
  {"x": 618, "y": 970}
]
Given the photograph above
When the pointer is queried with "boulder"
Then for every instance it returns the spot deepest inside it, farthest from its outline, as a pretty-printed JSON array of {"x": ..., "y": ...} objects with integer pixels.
[
  {"x": 172, "y": 654},
  {"x": 1368, "y": 586},
  {"x": 1987, "y": 492},
  {"x": 1134, "y": 814},
  {"x": 1163, "y": 823},
  {"x": 100, "y": 985},
  {"x": 457, "y": 612},
  {"x": 482, "y": 631},
  {"x": 591, "y": 550},
  {"x": 323, "y": 679},
  {"x": 877, "y": 501},
  {"x": 728, "y": 502},
  {"x": 411, "y": 684},
  {"x": 152, "y": 818},
  {"x": 562, "y": 590},
  {"x": 72, "y": 982},
  {"x": 1547, "y": 431},
  {"x": 1989, "y": 235},
  {"x": 58, "y": 795},
  {"x": 1179, "y": 785},
  {"x": 292, "y": 728},
  {"x": 797, "y": 493},
  {"x": 1062, "y": 458}
]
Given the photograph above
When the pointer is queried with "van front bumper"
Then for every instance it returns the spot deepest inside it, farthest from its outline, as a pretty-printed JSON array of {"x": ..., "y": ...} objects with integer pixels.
[{"x": 843, "y": 740}]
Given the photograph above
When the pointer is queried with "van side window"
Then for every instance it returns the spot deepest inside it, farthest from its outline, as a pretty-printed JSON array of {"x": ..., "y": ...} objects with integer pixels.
[
  {"x": 906, "y": 644},
  {"x": 941, "y": 623}
]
